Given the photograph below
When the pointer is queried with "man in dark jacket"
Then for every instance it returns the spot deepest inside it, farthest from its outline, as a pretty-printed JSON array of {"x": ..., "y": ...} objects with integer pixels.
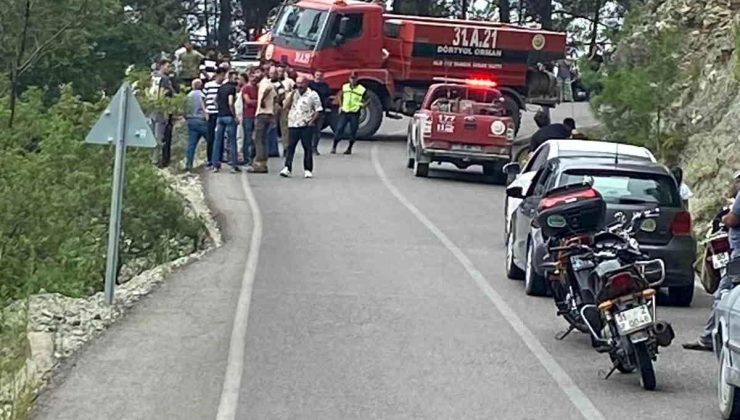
[
  {"x": 319, "y": 86},
  {"x": 563, "y": 130}
]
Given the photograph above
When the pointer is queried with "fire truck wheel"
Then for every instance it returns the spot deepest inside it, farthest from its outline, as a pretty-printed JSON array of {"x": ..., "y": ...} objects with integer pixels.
[
  {"x": 512, "y": 109},
  {"x": 371, "y": 116}
]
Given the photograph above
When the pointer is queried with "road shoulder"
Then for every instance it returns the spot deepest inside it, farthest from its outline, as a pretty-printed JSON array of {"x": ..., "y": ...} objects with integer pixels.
[{"x": 166, "y": 357}]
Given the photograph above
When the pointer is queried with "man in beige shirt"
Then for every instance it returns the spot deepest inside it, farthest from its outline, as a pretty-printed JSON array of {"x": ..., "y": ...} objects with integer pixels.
[{"x": 265, "y": 116}]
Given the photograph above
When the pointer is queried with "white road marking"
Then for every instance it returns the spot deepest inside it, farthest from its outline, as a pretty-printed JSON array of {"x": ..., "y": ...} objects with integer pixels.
[
  {"x": 235, "y": 364},
  {"x": 566, "y": 384}
]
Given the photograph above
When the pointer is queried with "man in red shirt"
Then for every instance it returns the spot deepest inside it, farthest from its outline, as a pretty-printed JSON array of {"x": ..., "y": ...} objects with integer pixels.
[{"x": 249, "y": 97}]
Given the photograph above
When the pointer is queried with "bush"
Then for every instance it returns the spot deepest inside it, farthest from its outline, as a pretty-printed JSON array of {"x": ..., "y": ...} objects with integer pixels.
[{"x": 55, "y": 193}]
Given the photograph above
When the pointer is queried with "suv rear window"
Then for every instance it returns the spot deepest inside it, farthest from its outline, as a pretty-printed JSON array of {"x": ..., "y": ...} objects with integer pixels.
[{"x": 628, "y": 188}]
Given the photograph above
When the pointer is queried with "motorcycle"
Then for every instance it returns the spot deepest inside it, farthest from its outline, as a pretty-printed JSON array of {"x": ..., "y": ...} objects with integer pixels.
[
  {"x": 716, "y": 253},
  {"x": 625, "y": 281},
  {"x": 567, "y": 271},
  {"x": 621, "y": 280}
]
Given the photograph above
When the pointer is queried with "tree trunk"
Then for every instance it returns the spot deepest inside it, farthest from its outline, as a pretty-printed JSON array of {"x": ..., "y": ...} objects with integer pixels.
[
  {"x": 521, "y": 11},
  {"x": 248, "y": 16},
  {"x": 207, "y": 19},
  {"x": 13, "y": 95},
  {"x": 595, "y": 28},
  {"x": 545, "y": 13},
  {"x": 14, "y": 72},
  {"x": 464, "y": 14},
  {"x": 224, "y": 25},
  {"x": 504, "y": 11}
]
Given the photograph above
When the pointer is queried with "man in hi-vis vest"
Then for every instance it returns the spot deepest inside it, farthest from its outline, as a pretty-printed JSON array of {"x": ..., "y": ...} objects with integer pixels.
[{"x": 351, "y": 101}]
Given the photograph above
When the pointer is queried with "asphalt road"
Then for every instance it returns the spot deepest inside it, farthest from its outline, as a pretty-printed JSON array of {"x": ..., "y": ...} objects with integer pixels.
[{"x": 375, "y": 295}]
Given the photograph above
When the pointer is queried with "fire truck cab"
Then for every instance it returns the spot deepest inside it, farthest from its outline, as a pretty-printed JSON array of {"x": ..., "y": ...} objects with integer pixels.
[{"x": 463, "y": 122}]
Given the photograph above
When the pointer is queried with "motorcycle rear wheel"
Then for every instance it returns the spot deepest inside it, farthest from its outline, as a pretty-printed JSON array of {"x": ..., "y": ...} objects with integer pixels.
[{"x": 645, "y": 363}]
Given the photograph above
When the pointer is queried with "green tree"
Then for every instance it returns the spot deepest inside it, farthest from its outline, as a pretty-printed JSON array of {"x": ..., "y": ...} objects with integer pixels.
[
  {"x": 634, "y": 97},
  {"x": 35, "y": 32},
  {"x": 83, "y": 42}
]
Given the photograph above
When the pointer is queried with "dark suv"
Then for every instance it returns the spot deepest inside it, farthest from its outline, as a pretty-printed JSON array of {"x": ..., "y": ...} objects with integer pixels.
[{"x": 627, "y": 186}]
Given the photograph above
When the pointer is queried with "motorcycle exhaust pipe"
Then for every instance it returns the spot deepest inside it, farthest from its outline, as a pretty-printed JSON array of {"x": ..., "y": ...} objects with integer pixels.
[{"x": 664, "y": 334}]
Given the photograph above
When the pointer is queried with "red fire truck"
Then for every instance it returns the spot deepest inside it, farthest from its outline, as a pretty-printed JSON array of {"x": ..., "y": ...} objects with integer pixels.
[{"x": 397, "y": 57}]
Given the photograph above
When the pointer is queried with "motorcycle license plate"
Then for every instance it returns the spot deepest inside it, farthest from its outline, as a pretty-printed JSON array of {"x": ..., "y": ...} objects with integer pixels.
[
  {"x": 633, "y": 319},
  {"x": 720, "y": 260}
]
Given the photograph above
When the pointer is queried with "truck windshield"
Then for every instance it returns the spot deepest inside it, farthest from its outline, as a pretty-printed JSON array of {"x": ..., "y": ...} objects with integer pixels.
[{"x": 301, "y": 23}]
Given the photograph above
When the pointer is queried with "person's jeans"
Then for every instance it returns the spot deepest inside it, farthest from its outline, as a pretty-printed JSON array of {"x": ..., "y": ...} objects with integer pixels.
[
  {"x": 211, "y": 136},
  {"x": 317, "y": 130},
  {"x": 284, "y": 132},
  {"x": 167, "y": 141},
  {"x": 261, "y": 131},
  {"x": 225, "y": 126},
  {"x": 305, "y": 136},
  {"x": 197, "y": 128},
  {"x": 248, "y": 142},
  {"x": 726, "y": 283},
  {"x": 273, "y": 149},
  {"x": 159, "y": 126},
  {"x": 351, "y": 119}
]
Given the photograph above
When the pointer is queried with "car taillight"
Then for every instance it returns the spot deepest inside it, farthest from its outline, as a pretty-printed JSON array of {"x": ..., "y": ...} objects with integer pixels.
[
  {"x": 548, "y": 202},
  {"x": 681, "y": 225},
  {"x": 621, "y": 283}
]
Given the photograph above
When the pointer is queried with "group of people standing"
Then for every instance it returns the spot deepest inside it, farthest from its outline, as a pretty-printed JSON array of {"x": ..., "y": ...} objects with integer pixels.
[{"x": 276, "y": 103}]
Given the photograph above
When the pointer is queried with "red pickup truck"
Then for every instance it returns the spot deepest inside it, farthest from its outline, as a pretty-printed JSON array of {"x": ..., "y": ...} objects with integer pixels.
[
  {"x": 397, "y": 57},
  {"x": 463, "y": 124}
]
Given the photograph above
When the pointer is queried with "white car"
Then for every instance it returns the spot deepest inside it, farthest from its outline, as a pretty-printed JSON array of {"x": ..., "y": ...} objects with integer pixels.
[{"x": 564, "y": 148}]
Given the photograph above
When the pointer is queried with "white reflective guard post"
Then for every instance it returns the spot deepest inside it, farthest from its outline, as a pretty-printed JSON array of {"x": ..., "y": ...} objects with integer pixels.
[{"x": 122, "y": 123}]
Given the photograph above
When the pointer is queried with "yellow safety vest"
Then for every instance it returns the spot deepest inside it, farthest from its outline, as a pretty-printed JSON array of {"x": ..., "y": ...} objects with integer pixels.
[{"x": 352, "y": 97}]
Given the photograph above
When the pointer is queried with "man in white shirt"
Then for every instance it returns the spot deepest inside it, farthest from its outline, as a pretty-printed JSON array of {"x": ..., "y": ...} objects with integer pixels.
[
  {"x": 211, "y": 90},
  {"x": 264, "y": 121},
  {"x": 303, "y": 106}
]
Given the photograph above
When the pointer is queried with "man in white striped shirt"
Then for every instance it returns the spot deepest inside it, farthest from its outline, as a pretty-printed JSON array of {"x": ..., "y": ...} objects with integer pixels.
[{"x": 210, "y": 90}]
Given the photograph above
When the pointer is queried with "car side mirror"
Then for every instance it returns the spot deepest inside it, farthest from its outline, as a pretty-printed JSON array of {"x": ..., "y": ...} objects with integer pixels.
[
  {"x": 512, "y": 168},
  {"x": 515, "y": 192}
]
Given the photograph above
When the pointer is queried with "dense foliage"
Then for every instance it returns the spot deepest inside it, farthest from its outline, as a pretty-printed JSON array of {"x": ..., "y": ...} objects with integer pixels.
[
  {"x": 632, "y": 98},
  {"x": 55, "y": 198}
]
